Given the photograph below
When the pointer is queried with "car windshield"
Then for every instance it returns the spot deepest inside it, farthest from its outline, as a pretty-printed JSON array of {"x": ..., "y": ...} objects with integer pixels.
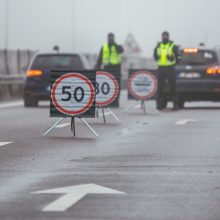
[
  {"x": 58, "y": 61},
  {"x": 202, "y": 57}
]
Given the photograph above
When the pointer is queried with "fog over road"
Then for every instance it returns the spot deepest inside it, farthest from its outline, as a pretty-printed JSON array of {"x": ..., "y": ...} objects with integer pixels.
[
  {"x": 82, "y": 25},
  {"x": 155, "y": 166}
]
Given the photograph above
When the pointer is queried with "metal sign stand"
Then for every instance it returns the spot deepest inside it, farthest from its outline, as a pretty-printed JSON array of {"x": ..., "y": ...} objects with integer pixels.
[
  {"x": 73, "y": 126},
  {"x": 103, "y": 114},
  {"x": 143, "y": 106},
  {"x": 130, "y": 106},
  {"x": 114, "y": 115},
  {"x": 53, "y": 127}
]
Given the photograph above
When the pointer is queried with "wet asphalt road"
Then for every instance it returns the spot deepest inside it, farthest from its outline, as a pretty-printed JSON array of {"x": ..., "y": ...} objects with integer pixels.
[{"x": 164, "y": 166}]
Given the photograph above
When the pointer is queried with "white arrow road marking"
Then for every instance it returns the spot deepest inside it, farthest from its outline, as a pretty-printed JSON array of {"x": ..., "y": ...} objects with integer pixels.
[
  {"x": 11, "y": 104},
  {"x": 4, "y": 143},
  {"x": 185, "y": 121},
  {"x": 72, "y": 195}
]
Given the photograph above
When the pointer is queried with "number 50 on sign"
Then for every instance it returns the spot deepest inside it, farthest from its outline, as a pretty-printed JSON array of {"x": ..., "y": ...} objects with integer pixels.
[{"x": 72, "y": 94}]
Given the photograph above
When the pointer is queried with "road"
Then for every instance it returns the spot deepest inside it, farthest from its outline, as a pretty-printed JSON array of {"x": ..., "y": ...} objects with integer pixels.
[{"x": 162, "y": 166}]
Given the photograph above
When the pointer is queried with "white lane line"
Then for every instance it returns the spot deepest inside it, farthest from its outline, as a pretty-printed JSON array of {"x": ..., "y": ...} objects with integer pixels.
[
  {"x": 63, "y": 125},
  {"x": 11, "y": 104},
  {"x": 4, "y": 143},
  {"x": 185, "y": 121}
]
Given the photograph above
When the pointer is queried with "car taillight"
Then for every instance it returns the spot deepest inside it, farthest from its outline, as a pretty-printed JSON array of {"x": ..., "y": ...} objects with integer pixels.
[
  {"x": 31, "y": 73},
  {"x": 190, "y": 50},
  {"x": 213, "y": 70}
]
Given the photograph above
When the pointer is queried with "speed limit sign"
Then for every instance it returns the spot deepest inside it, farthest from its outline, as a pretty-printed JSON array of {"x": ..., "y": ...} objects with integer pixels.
[
  {"x": 107, "y": 89},
  {"x": 72, "y": 94},
  {"x": 142, "y": 85}
]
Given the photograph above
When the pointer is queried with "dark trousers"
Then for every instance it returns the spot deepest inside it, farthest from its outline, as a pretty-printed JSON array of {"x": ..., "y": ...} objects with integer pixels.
[
  {"x": 166, "y": 74},
  {"x": 114, "y": 68}
]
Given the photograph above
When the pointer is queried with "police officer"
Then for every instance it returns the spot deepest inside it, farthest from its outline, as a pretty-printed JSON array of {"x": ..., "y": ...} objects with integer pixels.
[
  {"x": 110, "y": 55},
  {"x": 166, "y": 56}
]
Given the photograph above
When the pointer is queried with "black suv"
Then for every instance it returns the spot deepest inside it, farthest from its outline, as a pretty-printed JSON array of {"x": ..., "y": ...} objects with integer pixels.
[
  {"x": 198, "y": 75},
  {"x": 37, "y": 80}
]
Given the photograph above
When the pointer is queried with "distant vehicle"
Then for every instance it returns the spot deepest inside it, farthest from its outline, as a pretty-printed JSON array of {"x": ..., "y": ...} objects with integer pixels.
[
  {"x": 198, "y": 75},
  {"x": 37, "y": 80}
]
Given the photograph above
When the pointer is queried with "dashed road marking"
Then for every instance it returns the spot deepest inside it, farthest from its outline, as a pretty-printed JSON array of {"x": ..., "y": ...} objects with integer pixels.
[
  {"x": 4, "y": 143},
  {"x": 185, "y": 121},
  {"x": 11, "y": 104},
  {"x": 138, "y": 106}
]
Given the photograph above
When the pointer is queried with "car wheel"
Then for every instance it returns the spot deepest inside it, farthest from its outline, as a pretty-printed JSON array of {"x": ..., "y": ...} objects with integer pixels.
[{"x": 30, "y": 102}]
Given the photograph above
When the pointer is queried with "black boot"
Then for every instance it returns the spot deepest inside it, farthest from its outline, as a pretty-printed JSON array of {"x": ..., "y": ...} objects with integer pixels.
[{"x": 160, "y": 104}]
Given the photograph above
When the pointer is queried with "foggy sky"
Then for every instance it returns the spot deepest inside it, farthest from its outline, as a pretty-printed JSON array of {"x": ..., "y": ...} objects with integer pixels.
[{"x": 82, "y": 25}]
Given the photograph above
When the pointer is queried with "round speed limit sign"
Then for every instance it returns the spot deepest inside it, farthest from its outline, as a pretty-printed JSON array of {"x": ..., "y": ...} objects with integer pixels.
[
  {"x": 142, "y": 85},
  {"x": 107, "y": 89},
  {"x": 73, "y": 94}
]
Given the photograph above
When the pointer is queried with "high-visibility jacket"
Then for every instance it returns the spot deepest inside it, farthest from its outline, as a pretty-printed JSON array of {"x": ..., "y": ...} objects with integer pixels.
[
  {"x": 163, "y": 52},
  {"x": 110, "y": 56}
]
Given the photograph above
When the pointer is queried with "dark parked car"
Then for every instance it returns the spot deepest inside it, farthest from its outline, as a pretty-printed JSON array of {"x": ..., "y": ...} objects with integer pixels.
[
  {"x": 37, "y": 81},
  {"x": 198, "y": 75}
]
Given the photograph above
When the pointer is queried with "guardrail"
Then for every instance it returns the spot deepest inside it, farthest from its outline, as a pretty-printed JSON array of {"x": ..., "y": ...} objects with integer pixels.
[
  {"x": 11, "y": 86},
  {"x": 12, "y": 80}
]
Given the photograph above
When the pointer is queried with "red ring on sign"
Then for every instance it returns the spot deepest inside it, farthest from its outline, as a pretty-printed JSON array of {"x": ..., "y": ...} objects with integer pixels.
[
  {"x": 109, "y": 75},
  {"x": 133, "y": 93},
  {"x": 79, "y": 76}
]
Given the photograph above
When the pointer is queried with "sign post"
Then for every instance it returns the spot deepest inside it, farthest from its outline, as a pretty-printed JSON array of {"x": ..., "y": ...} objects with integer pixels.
[
  {"x": 107, "y": 93},
  {"x": 72, "y": 95},
  {"x": 142, "y": 86}
]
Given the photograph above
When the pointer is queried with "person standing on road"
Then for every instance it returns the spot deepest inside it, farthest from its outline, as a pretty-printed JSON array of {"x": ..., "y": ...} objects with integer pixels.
[
  {"x": 110, "y": 55},
  {"x": 166, "y": 56}
]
